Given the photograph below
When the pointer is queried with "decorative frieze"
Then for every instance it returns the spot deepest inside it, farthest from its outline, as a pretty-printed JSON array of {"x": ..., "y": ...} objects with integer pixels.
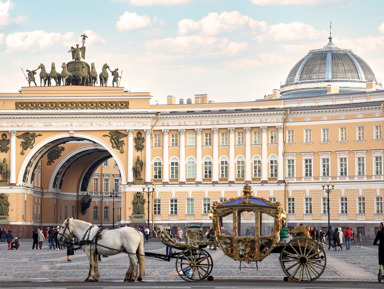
[{"x": 62, "y": 105}]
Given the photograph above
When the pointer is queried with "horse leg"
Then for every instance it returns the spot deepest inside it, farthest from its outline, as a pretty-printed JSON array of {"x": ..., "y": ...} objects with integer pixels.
[
  {"x": 97, "y": 274},
  {"x": 92, "y": 264}
]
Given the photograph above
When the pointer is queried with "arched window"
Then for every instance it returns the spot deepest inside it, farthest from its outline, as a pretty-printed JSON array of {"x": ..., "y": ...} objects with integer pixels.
[
  {"x": 240, "y": 168},
  {"x": 191, "y": 168},
  {"x": 157, "y": 169},
  {"x": 256, "y": 167},
  {"x": 174, "y": 168},
  {"x": 273, "y": 167},
  {"x": 224, "y": 168},
  {"x": 207, "y": 168}
]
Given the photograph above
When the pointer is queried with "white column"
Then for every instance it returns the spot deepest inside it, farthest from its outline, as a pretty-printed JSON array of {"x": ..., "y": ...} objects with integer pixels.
[
  {"x": 198, "y": 156},
  {"x": 215, "y": 167},
  {"x": 231, "y": 177},
  {"x": 182, "y": 156},
  {"x": 280, "y": 152},
  {"x": 148, "y": 162},
  {"x": 165, "y": 156},
  {"x": 130, "y": 156},
  {"x": 12, "y": 165},
  {"x": 264, "y": 154},
  {"x": 248, "y": 161}
]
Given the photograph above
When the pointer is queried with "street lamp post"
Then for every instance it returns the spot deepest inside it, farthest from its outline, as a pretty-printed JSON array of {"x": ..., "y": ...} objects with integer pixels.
[
  {"x": 148, "y": 190},
  {"x": 113, "y": 195},
  {"x": 327, "y": 189}
]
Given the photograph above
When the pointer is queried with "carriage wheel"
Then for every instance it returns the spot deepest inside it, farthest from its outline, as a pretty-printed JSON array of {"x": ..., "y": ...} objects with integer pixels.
[
  {"x": 194, "y": 264},
  {"x": 303, "y": 260}
]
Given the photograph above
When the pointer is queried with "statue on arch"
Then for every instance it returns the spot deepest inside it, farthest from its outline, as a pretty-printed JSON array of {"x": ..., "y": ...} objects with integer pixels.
[
  {"x": 138, "y": 168},
  {"x": 138, "y": 204},
  {"x": 4, "y": 142},
  {"x": 4, "y": 205},
  {"x": 4, "y": 170},
  {"x": 77, "y": 52}
]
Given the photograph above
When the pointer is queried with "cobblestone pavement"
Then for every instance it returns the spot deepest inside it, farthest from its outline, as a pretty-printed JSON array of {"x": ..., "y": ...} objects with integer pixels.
[{"x": 25, "y": 264}]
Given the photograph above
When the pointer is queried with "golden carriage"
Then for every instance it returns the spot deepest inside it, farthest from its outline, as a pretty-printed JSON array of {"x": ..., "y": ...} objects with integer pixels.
[{"x": 247, "y": 229}]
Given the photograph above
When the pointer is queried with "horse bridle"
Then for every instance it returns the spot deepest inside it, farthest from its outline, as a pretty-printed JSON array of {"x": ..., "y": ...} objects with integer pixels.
[{"x": 67, "y": 239}]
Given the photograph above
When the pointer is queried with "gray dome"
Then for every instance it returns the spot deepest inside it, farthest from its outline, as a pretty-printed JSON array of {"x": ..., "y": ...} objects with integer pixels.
[{"x": 328, "y": 66}]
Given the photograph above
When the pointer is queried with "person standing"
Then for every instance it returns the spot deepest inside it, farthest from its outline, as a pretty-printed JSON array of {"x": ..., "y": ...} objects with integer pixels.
[
  {"x": 380, "y": 238},
  {"x": 57, "y": 243},
  {"x": 146, "y": 234},
  {"x": 330, "y": 234},
  {"x": 40, "y": 238},
  {"x": 70, "y": 249},
  {"x": 168, "y": 249},
  {"x": 348, "y": 236},
  {"x": 35, "y": 238},
  {"x": 359, "y": 241},
  {"x": 336, "y": 239},
  {"x": 51, "y": 239},
  {"x": 9, "y": 238},
  {"x": 341, "y": 238}
]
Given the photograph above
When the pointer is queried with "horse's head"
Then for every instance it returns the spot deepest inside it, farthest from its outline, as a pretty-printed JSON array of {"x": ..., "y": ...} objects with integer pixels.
[
  {"x": 63, "y": 65},
  {"x": 65, "y": 233},
  {"x": 92, "y": 64},
  {"x": 106, "y": 66},
  {"x": 53, "y": 65},
  {"x": 41, "y": 66}
]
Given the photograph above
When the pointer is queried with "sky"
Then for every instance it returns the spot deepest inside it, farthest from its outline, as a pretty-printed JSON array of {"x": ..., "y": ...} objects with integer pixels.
[{"x": 232, "y": 50}]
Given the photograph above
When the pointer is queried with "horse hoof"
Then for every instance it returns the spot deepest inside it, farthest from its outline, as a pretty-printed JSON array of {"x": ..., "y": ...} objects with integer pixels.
[
  {"x": 139, "y": 279},
  {"x": 129, "y": 280}
]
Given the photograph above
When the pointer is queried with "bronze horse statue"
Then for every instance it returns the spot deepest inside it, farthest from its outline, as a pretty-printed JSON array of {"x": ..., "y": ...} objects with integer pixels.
[
  {"x": 66, "y": 76},
  {"x": 55, "y": 75},
  {"x": 93, "y": 75},
  {"x": 44, "y": 76},
  {"x": 83, "y": 75},
  {"x": 103, "y": 76}
]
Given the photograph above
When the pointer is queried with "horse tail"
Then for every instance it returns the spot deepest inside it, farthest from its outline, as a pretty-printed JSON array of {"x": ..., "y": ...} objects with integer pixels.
[{"x": 141, "y": 253}]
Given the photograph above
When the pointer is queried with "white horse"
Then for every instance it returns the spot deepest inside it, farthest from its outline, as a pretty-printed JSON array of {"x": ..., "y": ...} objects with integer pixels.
[{"x": 107, "y": 242}]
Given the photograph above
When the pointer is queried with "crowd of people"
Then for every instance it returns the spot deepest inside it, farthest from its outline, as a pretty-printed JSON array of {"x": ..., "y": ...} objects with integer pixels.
[{"x": 336, "y": 238}]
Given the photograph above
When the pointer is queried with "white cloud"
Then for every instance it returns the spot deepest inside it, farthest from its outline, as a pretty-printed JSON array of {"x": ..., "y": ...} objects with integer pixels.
[
  {"x": 196, "y": 45},
  {"x": 5, "y": 18},
  {"x": 291, "y": 31},
  {"x": 2, "y": 38},
  {"x": 381, "y": 28},
  {"x": 225, "y": 22},
  {"x": 157, "y": 2},
  {"x": 33, "y": 39},
  {"x": 132, "y": 21},
  {"x": 93, "y": 38},
  {"x": 300, "y": 2}
]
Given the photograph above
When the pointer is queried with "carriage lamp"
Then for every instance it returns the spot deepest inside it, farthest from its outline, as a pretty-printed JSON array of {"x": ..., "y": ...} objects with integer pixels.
[
  {"x": 148, "y": 189},
  {"x": 210, "y": 215},
  {"x": 113, "y": 195},
  {"x": 327, "y": 189}
]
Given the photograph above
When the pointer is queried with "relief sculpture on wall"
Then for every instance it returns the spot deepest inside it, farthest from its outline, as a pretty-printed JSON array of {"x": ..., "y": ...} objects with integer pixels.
[
  {"x": 115, "y": 137},
  {"x": 29, "y": 140}
]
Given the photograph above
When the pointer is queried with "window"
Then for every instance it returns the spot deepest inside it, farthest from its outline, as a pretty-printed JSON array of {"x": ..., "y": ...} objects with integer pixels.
[
  {"x": 343, "y": 205},
  {"x": 157, "y": 169},
  {"x": 106, "y": 185},
  {"x": 342, "y": 134},
  {"x": 96, "y": 185},
  {"x": 325, "y": 167},
  {"x": 115, "y": 165},
  {"x": 191, "y": 168},
  {"x": 290, "y": 136},
  {"x": 325, "y": 135},
  {"x": 106, "y": 163},
  {"x": 174, "y": 169},
  {"x": 106, "y": 213},
  {"x": 324, "y": 205},
  {"x": 156, "y": 140},
  {"x": 174, "y": 140},
  {"x": 190, "y": 206},
  {"x": 307, "y": 136},
  {"x": 360, "y": 133},
  {"x": 290, "y": 168},
  {"x": 272, "y": 199},
  {"x": 157, "y": 206},
  {"x": 361, "y": 205},
  {"x": 221, "y": 200},
  {"x": 273, "y": 137},
  {"x": 207, "y": 139},
  {"x": 224, "y": 138},
  {"x": 73, "y": 211},
  {"x": 116, "y": 185},
  {"x": 273, "y": 167},
  {"x": 377, "y": 132},
  {"x": 378, "y": 170},
  {"x": 240, "y": 167},
  {"x": 191, "y": 139},
  {"x": 308, "y": 205},
  {"x": 173, "y": 207},
  {"x": 207, "y": 168},
  {"x": 224, "y": 168},
  {"x": 95, "y": 212},
  {"x": 360, "y": 166},
  {"x": 240, "y": 138},
  {"x": 65, "y": 212},
  {"x": 291, "y": 205},
  {"x": 308, "y": 167},
  {"x": 379, "y": 205},
  {"x": 256, "y": 137},
  {"x": 343, "y": 164},
  {"x": 206, "y": 205},
  {"x": 256, "y": 167}
]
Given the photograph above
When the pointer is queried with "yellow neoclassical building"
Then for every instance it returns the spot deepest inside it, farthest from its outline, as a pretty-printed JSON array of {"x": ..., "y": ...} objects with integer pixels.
[{"x": 84, "y": 151}]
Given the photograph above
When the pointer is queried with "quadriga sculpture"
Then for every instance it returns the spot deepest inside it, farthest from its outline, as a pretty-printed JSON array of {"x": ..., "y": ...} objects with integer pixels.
[
  {"x": 103, "y": 76},
  {"x": 66, "y": 75},
  {"x": 54, "y": 75},
  {"x": 93, "y": 74},
  {"x": 44, "y": 76}
]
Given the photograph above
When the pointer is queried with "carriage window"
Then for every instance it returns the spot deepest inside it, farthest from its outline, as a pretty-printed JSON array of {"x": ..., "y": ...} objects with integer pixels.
[
  {"x": 246, "y": 226},
  {"x": 227, "y": 225},
  {"x": 266, "y": 224}
]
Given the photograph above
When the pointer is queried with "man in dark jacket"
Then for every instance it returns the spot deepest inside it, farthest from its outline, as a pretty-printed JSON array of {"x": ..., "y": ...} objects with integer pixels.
[
  {"x": 35, "y": 238},
  {"x": 330, "y": 234},
  {"x": 9, "y": 238},
  {"x": 380, "y": 238}
]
